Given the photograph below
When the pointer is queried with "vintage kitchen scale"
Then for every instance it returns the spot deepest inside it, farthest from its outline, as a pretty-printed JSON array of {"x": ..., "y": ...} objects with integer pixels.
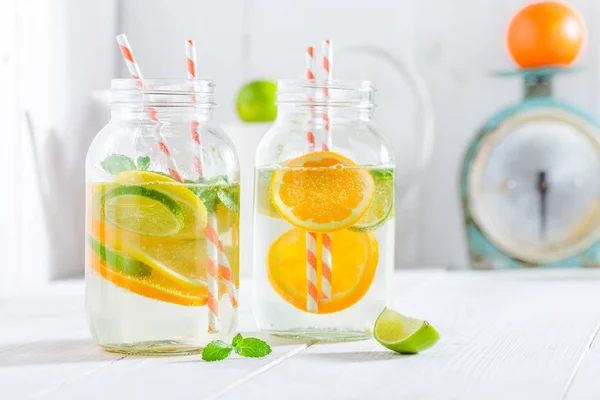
[{"x": 530, "y": 182}]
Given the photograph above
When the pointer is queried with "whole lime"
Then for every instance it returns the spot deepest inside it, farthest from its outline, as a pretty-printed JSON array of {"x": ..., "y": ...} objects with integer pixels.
[{"x": 256, "y": 102}]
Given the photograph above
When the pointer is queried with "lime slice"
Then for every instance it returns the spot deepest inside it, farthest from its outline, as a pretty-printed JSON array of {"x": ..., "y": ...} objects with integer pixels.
[
  {"x": 382, "y": 204},
  {"x": 118, "y": 261},
  {"x": 256, "y": 102},
  {"x": 404, "y": 334},
  {"x": 141, "y": 210},
  {"x": 194, "y": 211}
]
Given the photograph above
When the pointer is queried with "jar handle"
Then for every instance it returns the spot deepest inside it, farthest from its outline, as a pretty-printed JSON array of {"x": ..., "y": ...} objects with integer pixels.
[{"x": 419, "y": 87}]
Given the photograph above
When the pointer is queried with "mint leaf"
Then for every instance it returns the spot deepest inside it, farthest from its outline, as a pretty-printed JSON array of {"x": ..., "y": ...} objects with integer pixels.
[
  {"x": 216, "y": 350},
  {"x": 208, "y": 196},
  {"x": 252, "y": 347},
  {"x": 382, "y": 173},
  {"x": 213, "y": 179},
  {"x": 229, "y": 198},
  {"x": 116, "y": 163},
  {"x": 143, "y": 163},
  {"x": 237, "y": 340}
]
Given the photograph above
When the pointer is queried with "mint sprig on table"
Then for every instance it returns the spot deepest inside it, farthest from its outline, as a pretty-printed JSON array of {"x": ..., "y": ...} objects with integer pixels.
[
  {"x": 218, "y": 350},
  {"x": 217, "y": 189}
]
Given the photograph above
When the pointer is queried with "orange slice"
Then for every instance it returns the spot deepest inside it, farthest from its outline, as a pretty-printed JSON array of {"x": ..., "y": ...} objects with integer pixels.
[
  {"x": 177, "y": 265},
  {"x": 153, "y": 286},
  {"x": 322, "y": 191},
  {"x": 355, "y": 256}
]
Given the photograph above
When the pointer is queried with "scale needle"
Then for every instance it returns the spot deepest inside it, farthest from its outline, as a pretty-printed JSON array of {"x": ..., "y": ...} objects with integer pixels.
[{"x": 542, "y": 186}]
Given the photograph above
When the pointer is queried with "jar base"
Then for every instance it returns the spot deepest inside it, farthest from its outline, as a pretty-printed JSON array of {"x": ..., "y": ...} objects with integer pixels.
[
  {"x": 154, "y": 348},
  {"x": 321, "y": 335}
]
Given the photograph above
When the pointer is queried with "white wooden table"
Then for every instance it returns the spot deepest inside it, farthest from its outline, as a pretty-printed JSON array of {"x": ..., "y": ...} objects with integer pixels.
[{"x": 505, "y": 335}]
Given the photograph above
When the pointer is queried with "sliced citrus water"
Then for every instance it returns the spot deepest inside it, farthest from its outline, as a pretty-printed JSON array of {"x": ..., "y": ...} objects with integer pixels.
[
  {"x": 382, "y": 204},
  {"x": 194, "y": 211},
  {"x": 263, "y": 202},
  {"x": 404, "y": 334},
  {"x": 322, "y": 191},
  {"x": 142, "y": 210},
  {"x": 154, "y": 287},
  {"x": 355, "y": 256},
  {"x": 176, "y": 266},
  {"x": 157, "y": 253}
]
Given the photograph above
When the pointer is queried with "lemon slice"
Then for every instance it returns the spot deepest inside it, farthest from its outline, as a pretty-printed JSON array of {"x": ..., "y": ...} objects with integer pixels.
[
  {"x": 150, "y": 250},
  {"x": 194, "y": 211},
  {"x": 404, "y": 334},
  {"x": 120, "y": 262},
  {"x": 141, "y": 210}
]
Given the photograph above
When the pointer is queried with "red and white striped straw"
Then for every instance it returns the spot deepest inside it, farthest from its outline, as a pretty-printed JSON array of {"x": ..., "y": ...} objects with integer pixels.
[
  {"x": 135, "y": 72},
  {"x": 212, "y": 275},
  {"x": 312, "y": 301},
  {"x": 190, "y": 57},
  {"x": 217, "y": 263},
  {"x": 327, "y": 62},
  {"x": 326, "y": 258}
]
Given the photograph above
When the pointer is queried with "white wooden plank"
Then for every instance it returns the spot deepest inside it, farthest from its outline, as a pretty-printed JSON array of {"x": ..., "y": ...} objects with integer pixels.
[
  {"x": 586, "y": 383},
  {"x": 505, "y": 335},
  {"x": 46, "y": 352}
]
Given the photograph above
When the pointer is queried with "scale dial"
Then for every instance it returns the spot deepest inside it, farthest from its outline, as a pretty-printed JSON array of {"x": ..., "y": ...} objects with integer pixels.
[{"x": 534, "y": 186}]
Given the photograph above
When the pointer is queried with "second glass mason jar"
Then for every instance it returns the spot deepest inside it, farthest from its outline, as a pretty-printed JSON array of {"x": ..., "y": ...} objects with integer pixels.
[
  {"x": 324, "y": 214},
  {"x": 162, "y": 230}
]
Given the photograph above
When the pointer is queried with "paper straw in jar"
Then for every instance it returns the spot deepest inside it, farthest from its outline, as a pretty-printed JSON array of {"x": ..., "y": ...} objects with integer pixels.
[
  {"x": 136, "y": 73},
  {"x": 326, "y": 258},
  {"x": 312, "y": 301},
  {"x": 190, "y": 57},
  {"x": 218, "y": 264},
  {"x": 212, "y": 275}
]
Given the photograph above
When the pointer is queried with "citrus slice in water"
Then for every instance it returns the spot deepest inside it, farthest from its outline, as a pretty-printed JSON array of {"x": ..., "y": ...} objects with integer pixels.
[
  {"x": 179, "y": 260},
  {"x": 154, "y": 287},
  {"x": 404, "y": 334},
  {"x": 194, "y": 211},
  {"x": 177, "y": 266},
  {"x": 322, "y": 191},
  {"x": 142, "y": 210},
  {"x": 382, "y": 204},
  {"x": 355, "y": 256}
]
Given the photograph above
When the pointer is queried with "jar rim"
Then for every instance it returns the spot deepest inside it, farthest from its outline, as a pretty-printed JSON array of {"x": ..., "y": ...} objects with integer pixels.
[
  {"x": 334, "y": 84},
  {"x": 324, "y": 93},
  {"x": 162, "y": 91},
  {"x": 162, "y": 85}
]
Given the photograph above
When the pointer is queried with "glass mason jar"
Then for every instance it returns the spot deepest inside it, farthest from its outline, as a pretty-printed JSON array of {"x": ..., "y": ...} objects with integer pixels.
[
  {"x": 162, "y": 229},
  {"x": 324, "y": 220}
]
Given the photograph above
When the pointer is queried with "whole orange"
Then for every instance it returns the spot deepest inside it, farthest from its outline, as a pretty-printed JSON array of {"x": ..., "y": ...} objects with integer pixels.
[{"x": 546, "y": 33}]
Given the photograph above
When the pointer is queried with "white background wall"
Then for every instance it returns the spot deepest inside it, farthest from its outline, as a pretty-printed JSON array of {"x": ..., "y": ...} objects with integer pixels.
[
  {"x": 65, "y": 50},
  {"x": 456, "y": 45}
]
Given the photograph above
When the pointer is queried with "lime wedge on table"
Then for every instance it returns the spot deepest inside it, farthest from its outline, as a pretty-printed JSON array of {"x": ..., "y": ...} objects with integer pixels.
[
  {"x": 141, "y": 210},
  {"x": 404, "y": 334},
  {"x": 382, "y": 204}
]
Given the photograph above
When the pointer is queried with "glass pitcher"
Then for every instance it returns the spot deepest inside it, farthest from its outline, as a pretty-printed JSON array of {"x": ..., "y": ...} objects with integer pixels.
[
  {"x": 162, "y": 231},
  {"x": 324, "y": 214}
]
